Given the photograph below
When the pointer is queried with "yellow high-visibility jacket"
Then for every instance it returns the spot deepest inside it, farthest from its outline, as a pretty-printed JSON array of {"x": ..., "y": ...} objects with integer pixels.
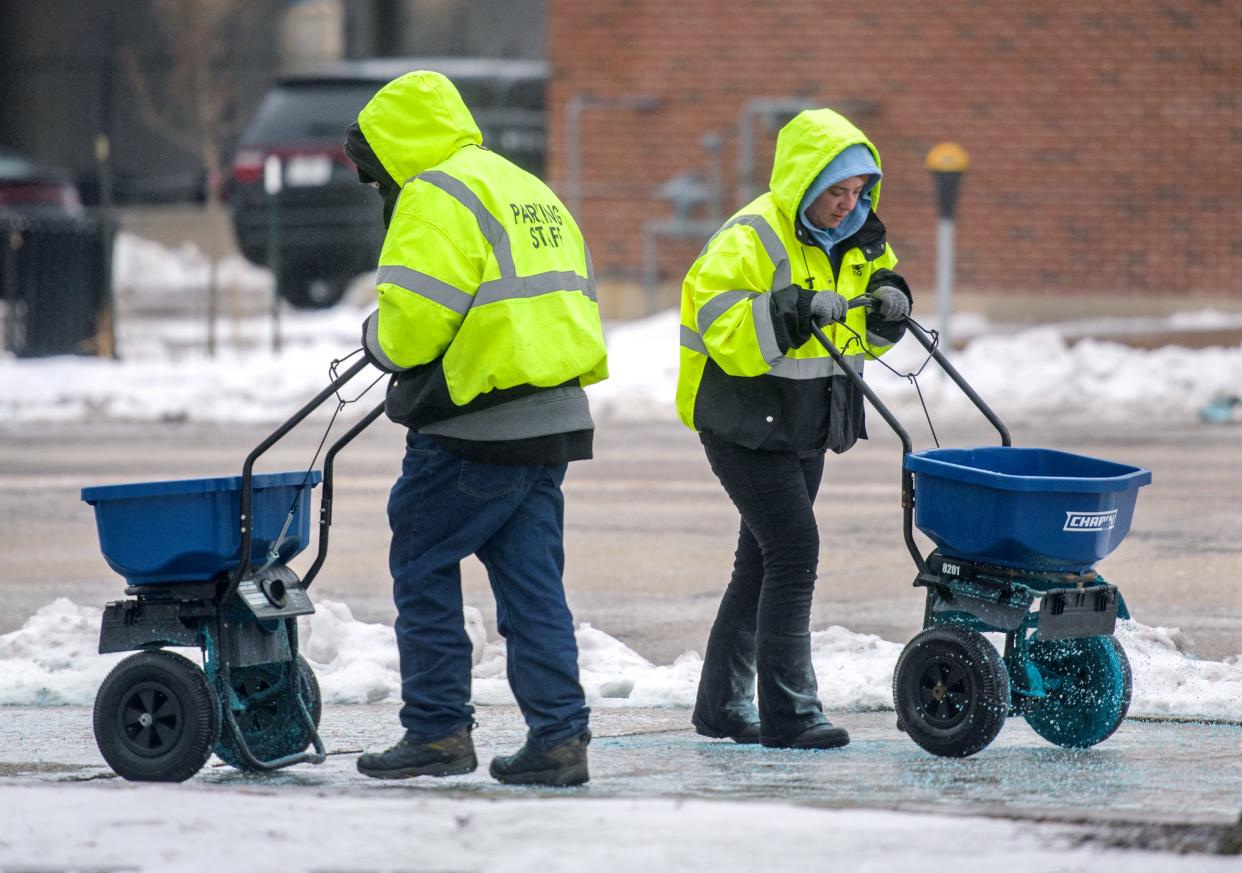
[
  {"x": 485, "y": 287},
  {"x": 739, "y": 375}
]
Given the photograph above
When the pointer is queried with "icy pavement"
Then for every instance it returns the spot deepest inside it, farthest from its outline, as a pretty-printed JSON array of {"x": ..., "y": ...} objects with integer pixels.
[{"x": 661, "y": 798}]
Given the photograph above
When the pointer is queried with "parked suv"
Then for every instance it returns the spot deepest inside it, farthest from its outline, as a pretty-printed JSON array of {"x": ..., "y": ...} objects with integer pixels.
[{"x": 329, "y": 225}]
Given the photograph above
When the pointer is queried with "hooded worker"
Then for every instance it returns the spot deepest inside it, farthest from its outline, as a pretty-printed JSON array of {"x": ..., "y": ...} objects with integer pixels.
[
  {"x": 768, "y": 401},
  {"x": 488, "y": 320}
]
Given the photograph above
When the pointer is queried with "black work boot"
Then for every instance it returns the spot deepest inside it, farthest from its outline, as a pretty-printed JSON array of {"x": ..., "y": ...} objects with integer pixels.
[
  {"x": 448, "y": 756},
  {"x": 818, "y": 736},
  {"x": 746, "y": 734},
  {"x": 562, "y": 765}
]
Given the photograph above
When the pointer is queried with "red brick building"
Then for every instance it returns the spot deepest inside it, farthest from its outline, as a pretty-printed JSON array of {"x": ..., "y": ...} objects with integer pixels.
[{"x": 1105, "y": 135}]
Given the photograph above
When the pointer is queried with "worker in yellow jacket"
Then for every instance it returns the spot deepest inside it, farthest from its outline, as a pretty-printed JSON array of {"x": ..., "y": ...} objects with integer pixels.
[
  {"x": 768, "y": 402},
  {"x": 488, "y": 320}
]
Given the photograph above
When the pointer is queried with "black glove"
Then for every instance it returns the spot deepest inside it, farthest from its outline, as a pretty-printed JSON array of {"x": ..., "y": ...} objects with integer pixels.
[
  {"x": 371, "y": 347},
  {"x": 828, "y": 306},
  {"x": 891, "y": 302},
  {"x": 791, "y": 316}
]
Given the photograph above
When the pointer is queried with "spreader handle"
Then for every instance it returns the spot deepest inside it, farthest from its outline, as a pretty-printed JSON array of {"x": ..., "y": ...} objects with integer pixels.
[
  {"x": 247, "y": 491},
  {"x": 325, "y": 496},
  {"x": 926, "y": 342}
]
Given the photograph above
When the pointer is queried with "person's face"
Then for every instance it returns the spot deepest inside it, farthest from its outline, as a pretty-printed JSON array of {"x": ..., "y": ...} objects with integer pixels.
[{"x": 831, "y": 207}]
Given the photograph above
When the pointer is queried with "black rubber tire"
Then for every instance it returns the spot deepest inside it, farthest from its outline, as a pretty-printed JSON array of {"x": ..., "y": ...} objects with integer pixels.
[
  {"x": 312, "y": 291},
  {"x": 951, "y": 691},
  {"x": 157, "y": 718},
  {"x": 1089, "y": 685},
  {"x": 274, "y": 728}
]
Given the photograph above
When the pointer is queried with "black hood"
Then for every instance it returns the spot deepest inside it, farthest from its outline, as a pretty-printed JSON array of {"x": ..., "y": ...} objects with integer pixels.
[
  {"x": 370, "y": 169},
  {"x": 358, "y": 150}
]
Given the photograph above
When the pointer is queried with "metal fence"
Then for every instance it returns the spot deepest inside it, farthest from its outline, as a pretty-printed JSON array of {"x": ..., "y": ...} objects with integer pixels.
[{"x": 55, "y": 285}]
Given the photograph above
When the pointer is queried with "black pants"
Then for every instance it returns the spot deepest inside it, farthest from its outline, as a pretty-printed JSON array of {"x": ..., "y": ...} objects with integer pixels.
[{"x": 763, "y": 624}]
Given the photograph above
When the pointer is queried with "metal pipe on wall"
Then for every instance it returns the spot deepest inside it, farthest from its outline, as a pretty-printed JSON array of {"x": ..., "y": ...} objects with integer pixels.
[{"x": 574, "y": 107}]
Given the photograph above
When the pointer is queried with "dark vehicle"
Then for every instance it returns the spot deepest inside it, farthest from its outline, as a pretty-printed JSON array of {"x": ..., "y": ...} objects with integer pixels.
[
  {"x": 53, "y": 262},
  {"x": 329, "y": 225}
]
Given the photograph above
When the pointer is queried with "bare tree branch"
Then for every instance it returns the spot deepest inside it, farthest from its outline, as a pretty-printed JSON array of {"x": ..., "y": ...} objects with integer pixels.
[
  {"x": 147, "y": 111},
  {"x": 197, "y": 110}
]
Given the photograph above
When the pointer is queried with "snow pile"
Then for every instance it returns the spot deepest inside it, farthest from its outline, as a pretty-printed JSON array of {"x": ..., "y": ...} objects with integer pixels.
[
  {"x": 642, "y": 369},
  {"x": 1037, "y": 374},
  {"x": 855, "y": 671},
  {"x": 1168, "y": 681},
  {"x": 164, "y": 377},
  {"x": 357, "y": 662},
  {"x": 146, "y": 269},
  {"x": 52, "y": 660}
]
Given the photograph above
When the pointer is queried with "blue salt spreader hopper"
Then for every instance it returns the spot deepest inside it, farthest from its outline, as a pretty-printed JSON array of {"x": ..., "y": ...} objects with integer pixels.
[{"x": 159, "y": 533}]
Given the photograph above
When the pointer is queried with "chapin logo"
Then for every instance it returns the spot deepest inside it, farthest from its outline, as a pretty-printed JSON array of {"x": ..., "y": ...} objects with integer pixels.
[{"x": 1090, "y": 521}]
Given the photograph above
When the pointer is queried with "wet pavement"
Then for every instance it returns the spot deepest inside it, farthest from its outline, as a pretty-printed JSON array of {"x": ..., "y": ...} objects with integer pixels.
[{"x": 1176, "y": 776}]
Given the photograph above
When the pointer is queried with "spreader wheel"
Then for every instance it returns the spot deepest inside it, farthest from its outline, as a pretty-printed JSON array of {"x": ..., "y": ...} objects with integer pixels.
[
  {"x": 157, "y": 718},
  {"x": 269, "y": 719},
  {"x": 1088, "y": 683},
  {"x": 951, "y": 691}
]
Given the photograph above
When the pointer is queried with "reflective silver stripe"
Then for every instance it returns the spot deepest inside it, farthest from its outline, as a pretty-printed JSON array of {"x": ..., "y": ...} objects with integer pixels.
[
  {"x": 692, "y": 341},
  {"x": 530, "y": 286},
  {"x": 783, "y": 368},
  {"x": 765, "y": 333},
  {"x": 716, "y": 307},
  {"x": 425, "y": 286},
  {"x": 373, "y": 347},
  {"x": 491, "y": 228},
  {"x": 772, "y": 245},
  {"x": 811, "y": 368},
  {"x": 803, "y": 368},
  {"x": 590, "y": 288}
]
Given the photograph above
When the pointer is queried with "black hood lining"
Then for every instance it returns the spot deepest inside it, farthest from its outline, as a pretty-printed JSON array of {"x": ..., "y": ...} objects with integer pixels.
[{"x": 370, "y": 168}]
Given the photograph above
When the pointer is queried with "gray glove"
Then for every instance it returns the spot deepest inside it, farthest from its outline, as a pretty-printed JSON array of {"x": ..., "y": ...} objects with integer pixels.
[
  {"x": 371, "y": 347},
  {"x": 828, "y": 306},
  {"x": 891, "y": 303}
]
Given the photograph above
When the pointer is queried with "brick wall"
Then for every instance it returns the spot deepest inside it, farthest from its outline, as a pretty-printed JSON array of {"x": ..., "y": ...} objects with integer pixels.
[{"x": 1105, "y": 136}]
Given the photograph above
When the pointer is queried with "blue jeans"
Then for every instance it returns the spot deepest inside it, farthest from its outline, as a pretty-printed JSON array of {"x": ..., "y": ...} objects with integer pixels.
[
  {"x": 442, "y": 509},
  {"x": 763, "y": 626}
]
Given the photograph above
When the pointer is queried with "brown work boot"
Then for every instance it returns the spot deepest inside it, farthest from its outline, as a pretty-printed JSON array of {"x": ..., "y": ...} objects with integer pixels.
[
  {"x": 448, "y": 756},
  {"x": 561, "y": 765}
]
